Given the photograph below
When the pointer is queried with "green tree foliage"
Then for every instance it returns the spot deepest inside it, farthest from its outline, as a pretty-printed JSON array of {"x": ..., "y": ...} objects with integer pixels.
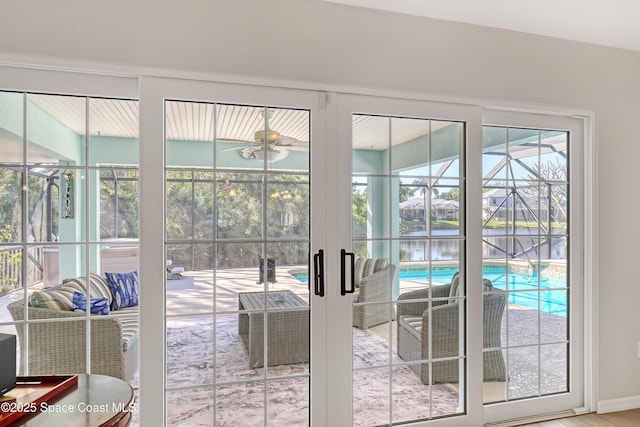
[
  {"x": 406, "y": 193},
  {"x": 453, "y": 194},
  {"x": 10, "y": 226},
  {"x": 10, "y": 204},
  {"x": 212, "y": 220},
  {"x": 228, "y": 208},
  {"x": 359, "y": 210},
  {"x": 119, "y": 191},
  {"x": 8, "y": 259}
]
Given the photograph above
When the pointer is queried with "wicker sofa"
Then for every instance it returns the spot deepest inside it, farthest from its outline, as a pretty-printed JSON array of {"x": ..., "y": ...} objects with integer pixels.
[
  {"x": 58, "y": 346},
  {"x": 373, "y": 282},
  {"x": 413, "y": 326}
]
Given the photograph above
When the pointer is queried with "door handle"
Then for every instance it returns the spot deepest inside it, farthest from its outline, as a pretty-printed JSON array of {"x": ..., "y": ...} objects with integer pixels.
[
  {"x": 343, "y": 277},
  {"x": 318, "y": 276}
]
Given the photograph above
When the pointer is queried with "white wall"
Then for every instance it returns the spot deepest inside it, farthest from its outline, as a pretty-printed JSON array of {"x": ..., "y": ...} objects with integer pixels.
[{"x": 330, "y": 45}]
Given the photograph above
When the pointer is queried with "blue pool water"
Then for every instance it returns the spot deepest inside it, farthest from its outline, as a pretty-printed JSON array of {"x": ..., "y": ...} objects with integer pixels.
[{"x": 551, "y": 298}]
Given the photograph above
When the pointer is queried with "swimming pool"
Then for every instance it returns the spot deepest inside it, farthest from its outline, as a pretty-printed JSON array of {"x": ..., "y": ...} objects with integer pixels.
[{"x": 552, "y": 295}]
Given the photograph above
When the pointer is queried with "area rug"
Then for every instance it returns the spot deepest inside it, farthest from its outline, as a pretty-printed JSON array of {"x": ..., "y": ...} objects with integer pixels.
[{"x": 284, "y": 389}]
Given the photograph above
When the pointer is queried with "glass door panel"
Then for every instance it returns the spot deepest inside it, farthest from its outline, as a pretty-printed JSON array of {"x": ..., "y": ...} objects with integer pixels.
[
  {"x": 408, "y": 243},
  {"x": 237, "y": 245},
  {"x": 525, "y": 215},
  {"x": 531, "y": 179},
  {"x": 69, "y": 227}
]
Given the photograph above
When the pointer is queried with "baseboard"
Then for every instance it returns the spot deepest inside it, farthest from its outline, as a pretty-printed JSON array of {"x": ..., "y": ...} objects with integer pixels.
[
  {"x": 620, "y": 404},
  {"x": 532, "y": 420}
]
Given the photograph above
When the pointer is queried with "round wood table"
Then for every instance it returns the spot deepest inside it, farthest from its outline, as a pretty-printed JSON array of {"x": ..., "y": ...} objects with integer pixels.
[{"x": 96, "y": 401}]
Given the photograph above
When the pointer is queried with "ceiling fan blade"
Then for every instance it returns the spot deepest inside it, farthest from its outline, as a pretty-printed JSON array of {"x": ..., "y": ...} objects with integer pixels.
[
  {"x": 244, "y": 141},
  {"x": 240, "y": 147},
  {"x": 289, "y": 141}
]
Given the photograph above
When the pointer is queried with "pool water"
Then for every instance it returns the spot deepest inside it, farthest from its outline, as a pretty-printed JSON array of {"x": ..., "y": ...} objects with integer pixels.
[
  {"x": 523, "y": 289},
  {"x": 552, "y": 297}
]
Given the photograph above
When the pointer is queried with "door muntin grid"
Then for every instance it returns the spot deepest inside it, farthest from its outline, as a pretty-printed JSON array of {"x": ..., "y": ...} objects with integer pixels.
[
  {"x": 243, "y": 229},
  {"x": 526, "y": 193},
  {"x": 407, "y": 212}
]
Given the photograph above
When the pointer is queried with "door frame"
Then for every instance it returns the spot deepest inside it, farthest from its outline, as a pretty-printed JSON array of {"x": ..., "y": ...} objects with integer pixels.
[{"x": 62, "y": 76}]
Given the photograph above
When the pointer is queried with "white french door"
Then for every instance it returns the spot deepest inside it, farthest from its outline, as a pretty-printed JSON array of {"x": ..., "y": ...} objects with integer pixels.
[
  {"x": 392, "y": 187},
  {"x": 243, "y": 341},
  {"x": 394, "y": 156}
]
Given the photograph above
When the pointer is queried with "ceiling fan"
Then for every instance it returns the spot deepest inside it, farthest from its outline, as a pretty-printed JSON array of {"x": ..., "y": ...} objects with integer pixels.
[{"x": 267, "y": 143}]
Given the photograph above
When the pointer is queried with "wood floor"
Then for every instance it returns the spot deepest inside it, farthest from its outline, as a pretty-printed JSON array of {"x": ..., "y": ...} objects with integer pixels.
[{"x": 629, "y": 418}]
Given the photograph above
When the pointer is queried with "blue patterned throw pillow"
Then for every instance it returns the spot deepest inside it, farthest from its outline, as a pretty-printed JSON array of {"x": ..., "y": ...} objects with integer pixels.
[
  {"x": 124, "y": 288},
  {"x": 96, "y": 305}
]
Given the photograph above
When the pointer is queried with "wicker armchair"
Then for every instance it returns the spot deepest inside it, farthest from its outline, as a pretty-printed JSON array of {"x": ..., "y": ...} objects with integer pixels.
[
  {"x": 413, "y": 327},
  {"x": 374, "y": 278}
]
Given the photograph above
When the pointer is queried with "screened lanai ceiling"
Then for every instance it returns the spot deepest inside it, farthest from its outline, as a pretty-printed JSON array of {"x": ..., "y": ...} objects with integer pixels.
[
  {"x": 191, "y": 121},
  {"x": 186, "y": 121}
]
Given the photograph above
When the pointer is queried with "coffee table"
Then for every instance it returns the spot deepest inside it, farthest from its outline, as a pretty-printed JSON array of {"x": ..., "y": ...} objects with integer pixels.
[{"x": 287, "y": 327}]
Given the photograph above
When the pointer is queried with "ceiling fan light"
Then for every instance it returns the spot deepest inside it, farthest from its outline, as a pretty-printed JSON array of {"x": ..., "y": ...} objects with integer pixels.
[{"x": 270, "y": 155}]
